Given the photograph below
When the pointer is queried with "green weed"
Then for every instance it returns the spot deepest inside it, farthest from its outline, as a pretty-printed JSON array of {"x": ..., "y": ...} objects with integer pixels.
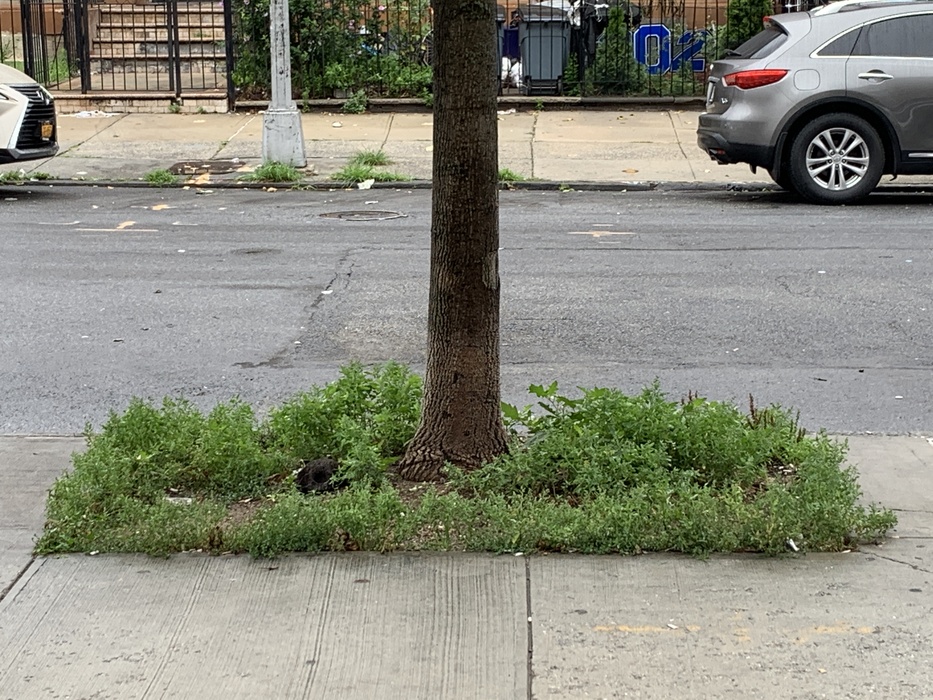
[
  {"x": 275, "y": 172},
  {"x": 359, "y": 172},
  {"x": 160, "y": 178},
  {"x": 18, "y": 177},
  {"x": 506, "y": 175},
  {"x": 370, "y": 158}
]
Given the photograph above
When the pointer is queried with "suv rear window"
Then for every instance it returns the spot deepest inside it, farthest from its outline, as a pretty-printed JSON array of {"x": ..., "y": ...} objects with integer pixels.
[{"x": 762, "y": 44}]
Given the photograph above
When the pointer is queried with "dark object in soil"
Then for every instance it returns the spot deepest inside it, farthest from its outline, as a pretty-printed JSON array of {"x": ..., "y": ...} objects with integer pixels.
[{"x": 317, "y": 476}]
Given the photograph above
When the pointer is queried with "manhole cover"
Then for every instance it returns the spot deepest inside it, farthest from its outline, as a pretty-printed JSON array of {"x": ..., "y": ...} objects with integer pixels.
[
  {"x": 200, "y": 167},
  {"x": 364, "y": 215}
]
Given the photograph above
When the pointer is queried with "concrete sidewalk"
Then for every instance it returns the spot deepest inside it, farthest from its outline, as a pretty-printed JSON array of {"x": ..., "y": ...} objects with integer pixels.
[
  {"x": 437, "y": 626},
  {"x": 556, "y": 146}
]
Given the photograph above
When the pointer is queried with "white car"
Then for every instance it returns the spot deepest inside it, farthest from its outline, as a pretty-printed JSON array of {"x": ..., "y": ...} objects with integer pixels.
[{"x": 27, "y": 118}]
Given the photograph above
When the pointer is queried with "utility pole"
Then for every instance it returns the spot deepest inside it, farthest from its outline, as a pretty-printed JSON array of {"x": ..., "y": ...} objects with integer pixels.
[{"x": 282, "y": 139}]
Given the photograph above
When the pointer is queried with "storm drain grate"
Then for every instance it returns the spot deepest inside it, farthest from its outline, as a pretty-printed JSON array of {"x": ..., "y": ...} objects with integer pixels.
[{"x": 364, "y": 215}]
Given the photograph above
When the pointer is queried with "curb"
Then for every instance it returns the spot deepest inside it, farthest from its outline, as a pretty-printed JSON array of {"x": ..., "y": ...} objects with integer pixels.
[{"x": 526, "y": 185}]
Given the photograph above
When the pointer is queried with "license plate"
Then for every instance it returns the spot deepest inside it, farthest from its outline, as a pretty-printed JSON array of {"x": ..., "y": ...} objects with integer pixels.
[{"x": 46, "y": 130}]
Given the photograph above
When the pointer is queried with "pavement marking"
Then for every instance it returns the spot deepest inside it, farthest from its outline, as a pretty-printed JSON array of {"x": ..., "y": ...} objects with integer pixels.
[
  {"x": 160, "y": 207},
  {"x": 838, "y": 629},
  {"x": 599, "y": 234},
  {"x": 121, "y": 227}
]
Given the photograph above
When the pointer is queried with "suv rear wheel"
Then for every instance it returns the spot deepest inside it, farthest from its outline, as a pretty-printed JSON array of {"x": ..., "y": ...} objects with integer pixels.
[{"x": 836, "y": 159}]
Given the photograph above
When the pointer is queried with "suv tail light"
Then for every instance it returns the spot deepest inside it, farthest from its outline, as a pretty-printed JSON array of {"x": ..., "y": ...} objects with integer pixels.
[{"x": 748, "y": 79}]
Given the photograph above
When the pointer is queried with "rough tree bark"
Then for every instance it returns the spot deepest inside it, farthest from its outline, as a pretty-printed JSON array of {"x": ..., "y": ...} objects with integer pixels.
[{"x": 461, "y": 421}]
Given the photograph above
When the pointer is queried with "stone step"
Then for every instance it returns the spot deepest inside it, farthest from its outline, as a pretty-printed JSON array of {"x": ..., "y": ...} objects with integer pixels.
[
  {"x": 212, "y": 73},
  {"x": 127, "y": 35},
  {"x": 143, "y": 21},
  {"x": 156, "y": 50}
]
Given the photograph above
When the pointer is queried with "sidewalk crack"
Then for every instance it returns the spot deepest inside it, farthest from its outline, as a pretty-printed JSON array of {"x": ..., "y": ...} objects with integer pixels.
[
  {"x": 534, "y": 136},
  {"x": 236, "y": 133},
  {"x": 110, "y": 122},
  {"x": 22, "y": 572},
  {"x": 385, "y": 138},
  {"x": 531, "y": 643},
  {"x": 905, "y": 563},
  {"x": 680, "y": 145}
]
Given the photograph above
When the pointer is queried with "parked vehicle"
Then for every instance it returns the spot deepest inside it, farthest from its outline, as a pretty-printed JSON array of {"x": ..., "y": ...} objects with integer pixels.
[
  {"x": 827, "y": 101},
  {"x": 27, "y": 118}
]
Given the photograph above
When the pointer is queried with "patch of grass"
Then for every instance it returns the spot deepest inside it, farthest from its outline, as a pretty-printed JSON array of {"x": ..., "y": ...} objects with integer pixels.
[
  {"x": 160, "y": 178},
  {"x": 601, "y": 472},
  {"x": 18, "y": 177},
  {"x": 359, "y": 172},
  {"x": 273, "y": 171},
  {"x": 370, "y": 158},
  {"x": 506, "y": 175},
  {"x": 174, "y": 108}
]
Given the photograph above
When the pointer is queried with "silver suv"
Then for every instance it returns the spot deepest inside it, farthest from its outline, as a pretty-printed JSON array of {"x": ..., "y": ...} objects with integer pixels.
[{"x": 827, "y": 101}]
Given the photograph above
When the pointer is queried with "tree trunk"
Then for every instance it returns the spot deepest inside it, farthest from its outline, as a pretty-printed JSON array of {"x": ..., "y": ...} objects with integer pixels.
[{"x": 461, "y": 420}]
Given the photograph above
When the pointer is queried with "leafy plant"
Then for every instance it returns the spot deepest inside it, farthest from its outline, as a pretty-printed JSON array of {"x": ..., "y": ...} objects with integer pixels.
[
  {"x": 347, "y": 46},
  {"x": 160, "y": 178},
  {"x": 744, "y": 20},
  {"x": 356, "y": 103}
]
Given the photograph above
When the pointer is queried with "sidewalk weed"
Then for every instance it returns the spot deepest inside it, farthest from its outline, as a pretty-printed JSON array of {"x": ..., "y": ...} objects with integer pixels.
[
  {"x": 273, "y": 171},
  {"x": 370, "y": 158},
  {"x": 18, "y": 177},
  {"x": 597, "y": 472},
  {"x": 506, "y": 175},
  {"x": 360, "y": 172},
  {"x": 160, "y": 178}
]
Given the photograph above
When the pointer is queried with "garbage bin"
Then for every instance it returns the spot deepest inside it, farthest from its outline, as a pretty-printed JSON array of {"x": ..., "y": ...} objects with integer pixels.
[{"x": 544, "y": 44}]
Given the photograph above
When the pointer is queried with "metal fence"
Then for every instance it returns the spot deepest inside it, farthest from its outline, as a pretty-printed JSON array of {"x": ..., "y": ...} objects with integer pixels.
[
  {"x": 90, "y": 46},
  {"x": 347, "y": 47}
]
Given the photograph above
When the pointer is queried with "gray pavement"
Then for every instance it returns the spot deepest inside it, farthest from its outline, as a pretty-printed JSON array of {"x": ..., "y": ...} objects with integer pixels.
[
  {"x": 431, "y": 626},
  {"x": 621, "y": 147}
]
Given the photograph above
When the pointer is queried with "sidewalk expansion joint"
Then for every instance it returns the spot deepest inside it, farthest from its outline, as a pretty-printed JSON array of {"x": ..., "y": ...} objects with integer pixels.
[
  {"x": 531, "y": 643},
  {"x": 22, "y": 572}
]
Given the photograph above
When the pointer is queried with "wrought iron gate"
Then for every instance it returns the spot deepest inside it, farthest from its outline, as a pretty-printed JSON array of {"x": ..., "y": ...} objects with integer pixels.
[{"x": 174, "y": 47}]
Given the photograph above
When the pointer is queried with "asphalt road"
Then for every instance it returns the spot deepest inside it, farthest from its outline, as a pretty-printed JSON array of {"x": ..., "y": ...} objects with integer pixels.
[{"x": 114, "y": 293}]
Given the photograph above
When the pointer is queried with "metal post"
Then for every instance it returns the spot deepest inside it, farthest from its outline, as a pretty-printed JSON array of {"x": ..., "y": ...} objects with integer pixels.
[
  {"x": 282, "y": 138},
  {"x": 228, "y": 54}
]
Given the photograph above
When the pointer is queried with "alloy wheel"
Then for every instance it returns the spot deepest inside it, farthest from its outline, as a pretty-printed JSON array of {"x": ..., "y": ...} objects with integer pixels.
[{"x": 837, "y": 158}]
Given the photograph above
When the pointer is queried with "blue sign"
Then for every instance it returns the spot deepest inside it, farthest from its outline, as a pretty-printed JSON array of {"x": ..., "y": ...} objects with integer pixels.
[{"x": 653, "y": 48}]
